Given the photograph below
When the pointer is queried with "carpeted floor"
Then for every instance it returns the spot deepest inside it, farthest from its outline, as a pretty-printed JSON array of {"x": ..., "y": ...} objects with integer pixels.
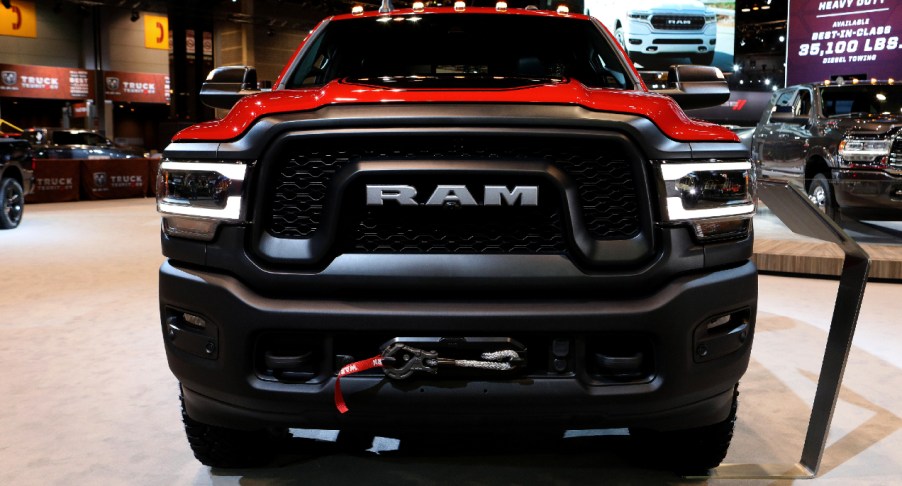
[{"x": 86, "y": 396}]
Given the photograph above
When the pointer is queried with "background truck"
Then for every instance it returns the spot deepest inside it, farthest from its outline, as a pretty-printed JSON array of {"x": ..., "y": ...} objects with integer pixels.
[
  {"x": 839, "y": 142},
  {"x": 16, "y": 180},
  {"x": 654, "y": 32},
  {"x": 478, "y": 219}
]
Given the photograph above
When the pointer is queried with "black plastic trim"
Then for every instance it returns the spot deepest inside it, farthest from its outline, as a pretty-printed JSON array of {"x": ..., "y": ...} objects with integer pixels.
[
  {"x": 619, "y": 253},
  {"x": 667, "y": 316},
  {"x": 556, "y": 119}
]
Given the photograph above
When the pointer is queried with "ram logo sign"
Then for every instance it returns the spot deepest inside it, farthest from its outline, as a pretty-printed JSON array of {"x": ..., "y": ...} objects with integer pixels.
[{"x": 452, "y": 195}]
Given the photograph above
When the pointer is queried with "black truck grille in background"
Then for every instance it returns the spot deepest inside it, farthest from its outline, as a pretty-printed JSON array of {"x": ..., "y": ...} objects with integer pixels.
[
  {"x": 604, "y": 179},
  {"x": 895, "y": 154},
  {"x": 677, "y": 22}
]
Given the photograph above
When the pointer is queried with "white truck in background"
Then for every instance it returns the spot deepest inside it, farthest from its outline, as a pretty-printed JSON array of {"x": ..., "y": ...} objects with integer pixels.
[{"x": 653, "y": 32}]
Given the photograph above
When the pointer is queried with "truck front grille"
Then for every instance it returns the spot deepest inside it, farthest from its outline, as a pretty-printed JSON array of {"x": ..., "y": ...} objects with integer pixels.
[
  {"x": 678, "y": 22},
  {"x": 895, "y": 154},
  {"x": 309, "y": 185}
]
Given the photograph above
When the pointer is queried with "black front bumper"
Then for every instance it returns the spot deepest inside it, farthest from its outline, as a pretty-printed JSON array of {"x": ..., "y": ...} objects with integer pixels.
[
  {"x": 868, "y": 195},
  {"x": 682, "y": 384}
]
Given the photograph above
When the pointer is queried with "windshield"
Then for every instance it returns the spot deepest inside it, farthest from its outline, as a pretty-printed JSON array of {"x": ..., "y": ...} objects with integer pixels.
[
  {"x": 862, "y": 100},
  {"x": 474, "y": 48}
]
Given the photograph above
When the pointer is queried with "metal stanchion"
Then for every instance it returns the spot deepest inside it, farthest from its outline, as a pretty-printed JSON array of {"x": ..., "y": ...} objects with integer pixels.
[{"x": 799, "y": 215}]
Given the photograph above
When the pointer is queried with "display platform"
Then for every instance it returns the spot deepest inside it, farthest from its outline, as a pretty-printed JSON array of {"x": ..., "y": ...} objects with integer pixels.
[{"x": 779, "y": 250}]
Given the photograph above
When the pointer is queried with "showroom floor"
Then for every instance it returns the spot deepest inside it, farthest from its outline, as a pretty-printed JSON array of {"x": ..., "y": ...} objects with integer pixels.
[{"x": 86, "y": 396}]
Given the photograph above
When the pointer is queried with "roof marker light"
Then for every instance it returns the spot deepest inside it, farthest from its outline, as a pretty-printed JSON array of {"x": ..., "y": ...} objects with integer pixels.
[
  {"x": 873, "y": 80},
  {"x": 855, "y": 81},
  {"x": 460, "y": 6},
  {"x": 501, "y": 6},
  {"x": 357, "y": 10},
  {"x": 563, "y": 10},
  {"x": 890, "y": 81},
  {"x": 418, "y": 7}
]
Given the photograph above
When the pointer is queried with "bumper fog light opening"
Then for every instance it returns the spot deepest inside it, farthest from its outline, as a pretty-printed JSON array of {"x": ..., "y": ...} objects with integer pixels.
[
  {"x": 718, "y": 229},
  {"x": 193, "y": 228}
]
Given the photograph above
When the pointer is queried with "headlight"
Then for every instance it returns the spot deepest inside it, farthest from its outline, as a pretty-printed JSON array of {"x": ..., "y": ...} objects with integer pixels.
[
  {"x": 639, "y": 14},
  {"x": 865, "y": 153},
  {"x": 710, "y": 17},
  {"x": 716, "y": 198},
  {"x": 195, "y": 197}
]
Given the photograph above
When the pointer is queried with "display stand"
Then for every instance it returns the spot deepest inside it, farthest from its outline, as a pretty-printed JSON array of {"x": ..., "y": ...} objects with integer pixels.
[{"x": 799, "y": 215}]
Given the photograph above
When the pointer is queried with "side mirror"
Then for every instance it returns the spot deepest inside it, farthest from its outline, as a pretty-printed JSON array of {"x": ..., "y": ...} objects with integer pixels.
[
  {"x": 696, "y": 86},
  {"x": 787, "y": 117},
  {"x": 228, "y": 84}
]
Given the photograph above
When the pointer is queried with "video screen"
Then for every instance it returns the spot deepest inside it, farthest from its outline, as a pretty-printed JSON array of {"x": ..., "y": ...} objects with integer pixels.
[
  {"x": 658, "y": 33},
  {"x": 843, "y": 38}
]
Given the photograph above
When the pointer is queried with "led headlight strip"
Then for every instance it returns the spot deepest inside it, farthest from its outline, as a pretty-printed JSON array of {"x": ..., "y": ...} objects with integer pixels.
[
  {"x": 201, "y": 189},
  {"x": 708, "y": 190}
]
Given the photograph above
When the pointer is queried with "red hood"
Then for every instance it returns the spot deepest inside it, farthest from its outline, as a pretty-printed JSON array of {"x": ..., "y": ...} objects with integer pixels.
[{"x": 661, "y": 110}]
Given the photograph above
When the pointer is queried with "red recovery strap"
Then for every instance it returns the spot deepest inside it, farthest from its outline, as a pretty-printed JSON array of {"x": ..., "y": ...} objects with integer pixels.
[{"x": 357, "y": 367}]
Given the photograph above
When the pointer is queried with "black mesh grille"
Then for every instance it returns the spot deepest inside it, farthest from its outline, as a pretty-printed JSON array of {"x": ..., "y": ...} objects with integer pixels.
[
  {"x": 895, "y": 155},
  {"x": 299, "y": 192},
  {"x": 540, "y": 232},
  {"x": 604, "y": 178},
  {"x": 678, "y": 22}
]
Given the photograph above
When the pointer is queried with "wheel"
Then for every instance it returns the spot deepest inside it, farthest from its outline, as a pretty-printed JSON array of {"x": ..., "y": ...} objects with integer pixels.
[
  {"x": 690, "y": 451},
  {"x": 821, "y": 194},
  {"x": 618, "y": 34},
  {"x": 229, "y": 448},
  {"x": 634, "y": 56},
  {"x": 12, "y": 197},
  {"x": 704, "y": 59}
]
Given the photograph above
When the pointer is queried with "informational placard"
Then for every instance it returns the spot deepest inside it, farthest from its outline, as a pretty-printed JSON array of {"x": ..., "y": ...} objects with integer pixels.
[
  {"x": 849, "y": 38},
  {"x": 44, "y": 82},
  {"x": 122, "y": 87}
]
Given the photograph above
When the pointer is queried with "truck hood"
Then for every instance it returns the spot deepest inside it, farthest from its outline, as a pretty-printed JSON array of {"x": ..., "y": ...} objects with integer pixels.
[
  {"x": 661, "y": 110},
  {"x": 662, "y": 5},
  {"x": 870, "y": 125}
]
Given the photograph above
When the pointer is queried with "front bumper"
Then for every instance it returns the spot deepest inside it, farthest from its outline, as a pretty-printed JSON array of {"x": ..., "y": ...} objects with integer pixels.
[
  {"x": 868, "y": 195},
  {"x": 224, "y": 384},
  {"x": 643, "y": 39}
]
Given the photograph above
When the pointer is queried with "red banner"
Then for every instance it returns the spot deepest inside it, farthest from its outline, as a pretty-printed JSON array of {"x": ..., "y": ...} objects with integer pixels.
[
  {"x": 45, "y": 82},
  {"x": 136, "y": 87},
  {"x": 114, "y": 178},
  {"x": 55, "y": 181}
]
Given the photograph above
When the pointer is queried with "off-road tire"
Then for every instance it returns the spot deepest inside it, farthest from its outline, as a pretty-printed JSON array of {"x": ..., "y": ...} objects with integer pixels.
[
  {"x": 821, "y": 194},
  {"x": 229, "y": 448},
  {"x": 691, "y": 451},
  {"x": 12, "y": 203}
]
